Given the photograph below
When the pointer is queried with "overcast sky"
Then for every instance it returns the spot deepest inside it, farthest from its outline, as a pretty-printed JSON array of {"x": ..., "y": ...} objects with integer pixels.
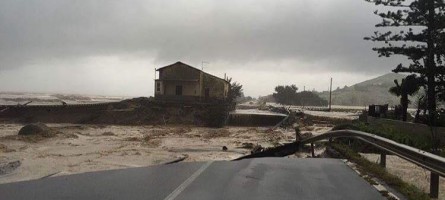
[{"x": 112, "y": 47}]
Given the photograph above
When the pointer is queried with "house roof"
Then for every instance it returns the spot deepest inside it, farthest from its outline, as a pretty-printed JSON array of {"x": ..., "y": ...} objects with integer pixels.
[
  {"x": 183, "y": 80},
  {"x": 181, "y": 63}
]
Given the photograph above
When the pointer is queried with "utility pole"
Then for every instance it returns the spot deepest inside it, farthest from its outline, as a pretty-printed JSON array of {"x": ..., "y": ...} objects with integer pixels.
[
  {"x": 155, "y": 84},
  {"x": 330, "y": 95},
  {"x": 202, "y": 65},
  {"x": 302, "y": 98}
]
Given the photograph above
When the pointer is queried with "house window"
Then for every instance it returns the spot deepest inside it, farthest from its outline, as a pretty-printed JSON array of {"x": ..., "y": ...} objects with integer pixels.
[{"x": 158, "y": 87}]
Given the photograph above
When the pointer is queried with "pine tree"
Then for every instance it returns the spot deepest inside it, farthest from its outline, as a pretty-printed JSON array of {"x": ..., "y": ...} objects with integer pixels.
[
  {"x": 417, "y": 31},
  {"x": 419, "y": 34}
]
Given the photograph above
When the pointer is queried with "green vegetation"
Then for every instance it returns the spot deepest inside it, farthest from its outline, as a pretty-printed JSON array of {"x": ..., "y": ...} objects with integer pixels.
[
  {"x": 417, "y": 141},
  {"x": 235, "y": 91},
  {"x": 216, "y": 115},
  {"x": 366, "y": 167},
  {"x": 408, "y": 87},
  {"x": 288, "y": 95},
  {"x": 373, "y": 91}
]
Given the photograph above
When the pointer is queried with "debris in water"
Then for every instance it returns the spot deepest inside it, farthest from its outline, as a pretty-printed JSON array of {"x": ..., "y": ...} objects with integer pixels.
[
  {"x": 36, "y": 129},
  {"x": 9, "y": 167},
  {"x": 258, "y": 148}
]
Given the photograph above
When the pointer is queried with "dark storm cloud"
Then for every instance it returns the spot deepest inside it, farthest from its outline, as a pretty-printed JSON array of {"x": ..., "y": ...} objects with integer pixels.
[{"x": 328, "y": 32}]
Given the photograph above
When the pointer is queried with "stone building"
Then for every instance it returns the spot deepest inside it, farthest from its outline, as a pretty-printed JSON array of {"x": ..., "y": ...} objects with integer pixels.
[{"x": 182, "y": 82}]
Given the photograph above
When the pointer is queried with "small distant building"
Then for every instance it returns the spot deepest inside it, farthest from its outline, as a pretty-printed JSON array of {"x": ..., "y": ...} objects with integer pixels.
[
  {"x": 377, "y": 110},
  {"x": 182, "y": 82}
]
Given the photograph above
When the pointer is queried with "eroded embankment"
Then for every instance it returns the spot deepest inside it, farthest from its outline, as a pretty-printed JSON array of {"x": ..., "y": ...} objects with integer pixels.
[{"x": 128, "y": 112}]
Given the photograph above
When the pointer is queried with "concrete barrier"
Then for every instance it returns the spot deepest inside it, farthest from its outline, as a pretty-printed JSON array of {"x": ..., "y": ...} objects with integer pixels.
[{"x": 245, "y": 119}]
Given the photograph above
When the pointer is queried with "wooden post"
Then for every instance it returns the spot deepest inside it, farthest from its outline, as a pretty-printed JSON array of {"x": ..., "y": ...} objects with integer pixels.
[
  {"x": 434, "y": 185},
  {"x": 383, "y": 159},
  {"x": 297, "y": 133}
]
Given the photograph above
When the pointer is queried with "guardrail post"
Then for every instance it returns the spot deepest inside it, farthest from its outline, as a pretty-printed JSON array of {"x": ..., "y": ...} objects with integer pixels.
[
  {"x": 312, "y": 150},
  {"x": 383, "y": 159},
  {"x": 434, "y": 185}
]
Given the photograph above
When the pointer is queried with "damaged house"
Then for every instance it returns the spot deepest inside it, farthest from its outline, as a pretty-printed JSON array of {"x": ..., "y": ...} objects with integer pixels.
[{"x": 181, "y": 82}]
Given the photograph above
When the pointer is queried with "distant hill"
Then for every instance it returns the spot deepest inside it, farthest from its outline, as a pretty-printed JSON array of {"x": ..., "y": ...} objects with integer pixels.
[{"x": 373, "y": 91}]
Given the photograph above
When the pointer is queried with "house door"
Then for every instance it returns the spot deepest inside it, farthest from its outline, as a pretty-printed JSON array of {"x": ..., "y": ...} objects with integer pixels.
[
  {"x": 207, "y": 93},
  {"x": 179, "y": 90}
]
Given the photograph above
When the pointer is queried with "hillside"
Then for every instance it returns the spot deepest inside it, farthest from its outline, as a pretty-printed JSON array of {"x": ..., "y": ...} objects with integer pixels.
[{"x": 373, "y": 91}]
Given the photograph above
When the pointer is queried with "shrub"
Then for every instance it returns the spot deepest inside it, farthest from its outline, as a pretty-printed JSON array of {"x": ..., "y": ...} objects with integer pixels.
[{"x": 216, "y": 116}]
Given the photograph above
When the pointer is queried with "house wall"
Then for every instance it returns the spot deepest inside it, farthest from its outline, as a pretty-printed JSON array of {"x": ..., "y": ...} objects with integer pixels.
[
  {"x": 161, "y": 92},
  {"x": 217, "y": 87},
  {"x": 188, "y": 88}
]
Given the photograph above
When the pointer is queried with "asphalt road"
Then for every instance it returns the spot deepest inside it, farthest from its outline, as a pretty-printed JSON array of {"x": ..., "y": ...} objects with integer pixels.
[{"x": 262, "y": 178}]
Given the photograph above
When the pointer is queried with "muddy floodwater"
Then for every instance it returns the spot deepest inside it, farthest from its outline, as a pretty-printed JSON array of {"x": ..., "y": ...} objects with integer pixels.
[{"x": 85, "y": 148}]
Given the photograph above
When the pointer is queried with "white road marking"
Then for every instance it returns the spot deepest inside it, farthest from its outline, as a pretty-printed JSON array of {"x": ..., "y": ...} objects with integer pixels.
[{"x": 187, "y": 182}]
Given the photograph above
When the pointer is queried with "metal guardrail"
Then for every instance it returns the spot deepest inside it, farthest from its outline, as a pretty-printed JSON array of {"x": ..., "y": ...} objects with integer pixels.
[
  {"x": 429, "y": 161},
  {"x": 424, "y": 159},
  {"x": 419, "y": 157},
  {"x": 433, "y": 163}
]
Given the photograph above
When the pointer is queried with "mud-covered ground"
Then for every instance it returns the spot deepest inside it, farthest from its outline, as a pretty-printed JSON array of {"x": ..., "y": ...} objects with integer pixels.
[{"x": 84, "y": 148}]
